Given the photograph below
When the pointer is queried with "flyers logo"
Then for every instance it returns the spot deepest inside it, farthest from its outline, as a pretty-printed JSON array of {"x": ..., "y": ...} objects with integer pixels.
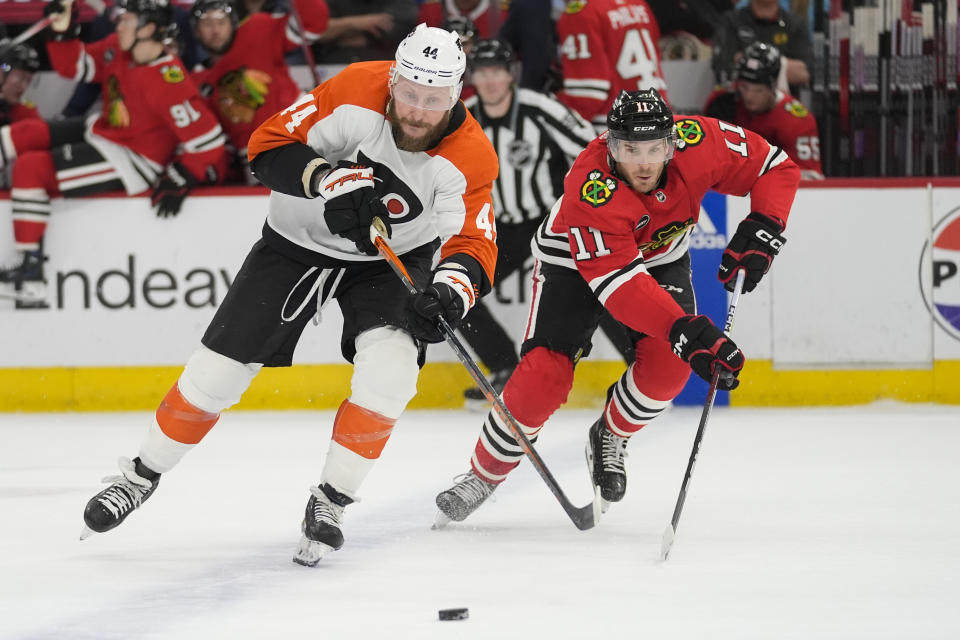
[
  {"x": 402, "y": 203},
  {"x": 596, "y": 191},
  {"x": 689, "y": 133},
  {"x": 796, "y": 108}
]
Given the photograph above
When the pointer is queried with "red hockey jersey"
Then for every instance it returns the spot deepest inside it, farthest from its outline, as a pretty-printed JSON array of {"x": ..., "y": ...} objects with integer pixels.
[
  {"x": 16, "y": 112},
  {"x": 147, "y": 108},
  {"x": 251, "y": 82},
  {"x": 487, "y": 15},
  {"x": 611, "y": 234},
  {"x": 789, "y": 125},
  {"x": 607, "y": 46}
]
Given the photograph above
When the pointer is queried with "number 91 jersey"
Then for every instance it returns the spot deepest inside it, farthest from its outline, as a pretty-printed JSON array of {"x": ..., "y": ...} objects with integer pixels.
[
  {"x": 607, "y": 46},
  {"x": 611, "y": 234}
]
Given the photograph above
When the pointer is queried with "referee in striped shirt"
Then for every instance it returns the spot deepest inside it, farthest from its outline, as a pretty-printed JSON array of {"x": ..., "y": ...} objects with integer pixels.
[{"x": 536, "y": 139}]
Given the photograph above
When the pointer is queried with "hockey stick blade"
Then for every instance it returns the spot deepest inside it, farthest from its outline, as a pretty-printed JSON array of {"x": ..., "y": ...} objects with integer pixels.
[
  {"x": 666, "y": 542},
  {"x": 584, "y": 517}
]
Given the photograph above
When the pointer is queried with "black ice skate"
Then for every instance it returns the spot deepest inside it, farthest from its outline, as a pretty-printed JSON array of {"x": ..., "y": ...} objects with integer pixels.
[
  {"x": 605, "y": 455},
  {"x": 462, "y": 499},
  {"x": 473, "y": 398},
  {"x": 29, "y": 285},
  {"x": 321, "y": 525},
  {"x": 111, "y": 506}
]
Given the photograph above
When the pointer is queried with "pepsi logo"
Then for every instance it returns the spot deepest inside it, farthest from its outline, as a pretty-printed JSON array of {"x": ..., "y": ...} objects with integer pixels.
[{"x": 940, "y": 273}]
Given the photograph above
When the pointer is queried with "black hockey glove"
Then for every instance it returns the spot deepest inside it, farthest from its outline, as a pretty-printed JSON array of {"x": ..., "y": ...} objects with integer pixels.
[
  {"x": 171, "y": 190},
  {"x": 64, "y": 25},
  {"x": 752, "y": 248},
  {"x": 351, "y": 204},
  {"x": 699, "y": 342},
  {"x": 424, "y": 310}
]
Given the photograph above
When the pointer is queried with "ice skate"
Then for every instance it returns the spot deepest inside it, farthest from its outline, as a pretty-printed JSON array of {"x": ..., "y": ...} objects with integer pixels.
[
  {"x": 127, "y": 492},
  {"x": 321, "y": 525},
  {"x": 25, "y": 282},
  {"x": 475, "y": 400},
  {"x": 462, "y": 499},
  {"x": 606, "y": 452}
]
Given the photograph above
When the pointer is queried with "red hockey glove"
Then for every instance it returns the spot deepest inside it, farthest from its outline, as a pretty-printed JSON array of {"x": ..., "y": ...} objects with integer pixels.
[
  {"x": 171, "y": 190},
  {"x": 699, "y": 342},
  {"x": 351, "y": 204},
  {"x": 752, "y": 248}
]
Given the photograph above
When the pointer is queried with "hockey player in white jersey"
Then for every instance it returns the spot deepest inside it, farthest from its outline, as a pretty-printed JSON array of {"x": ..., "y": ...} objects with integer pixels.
[{"x": 379, "y": 139}]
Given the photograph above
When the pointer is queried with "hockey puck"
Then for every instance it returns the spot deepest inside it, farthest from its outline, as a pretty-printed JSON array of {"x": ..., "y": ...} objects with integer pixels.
[{"x": 454, "y": 614}]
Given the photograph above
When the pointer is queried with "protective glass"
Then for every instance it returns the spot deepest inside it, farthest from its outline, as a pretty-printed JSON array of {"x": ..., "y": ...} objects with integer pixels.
[
  {"x": 641, "y": 151},
  {"x": 420, "y": 96}
]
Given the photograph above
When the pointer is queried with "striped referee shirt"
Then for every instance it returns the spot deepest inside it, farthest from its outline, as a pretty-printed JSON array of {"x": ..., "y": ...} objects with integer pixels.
[{"x": 536, "y": 142}]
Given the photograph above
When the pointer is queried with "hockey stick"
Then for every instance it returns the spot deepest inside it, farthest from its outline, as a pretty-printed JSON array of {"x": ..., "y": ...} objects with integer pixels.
[
  {"x": 305, "y": 46},
  {"x": 583, "y": 517},
  {"x": 671, "y": 529},
  {"x": 31, "y": 31}
]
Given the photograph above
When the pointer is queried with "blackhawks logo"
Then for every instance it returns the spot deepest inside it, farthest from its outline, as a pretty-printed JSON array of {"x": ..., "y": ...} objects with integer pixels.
[
  {"x": 689, "y": 133},
  {"x": 575, "y": 6},
  {"x": 597, "y": 190},
  {"x": 665, "y": 235},
  {"x": 796, "y": 108},
  {"x": 172, "y": 74}
]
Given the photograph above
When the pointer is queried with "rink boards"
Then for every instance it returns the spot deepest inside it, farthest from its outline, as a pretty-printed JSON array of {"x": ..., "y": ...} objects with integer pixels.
[{"x": 863, "y": 303}]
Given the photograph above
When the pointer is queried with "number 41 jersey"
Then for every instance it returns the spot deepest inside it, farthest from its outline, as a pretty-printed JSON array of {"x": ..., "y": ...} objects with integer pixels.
[
  {"x": 607, "y": 46},
  {"x": 611, "y": 234}
]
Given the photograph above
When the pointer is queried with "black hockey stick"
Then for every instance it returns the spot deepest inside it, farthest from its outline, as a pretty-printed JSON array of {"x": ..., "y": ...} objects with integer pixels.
[
  {"x": 671, "y": 529},
  {"x": 583, "y": 517}
]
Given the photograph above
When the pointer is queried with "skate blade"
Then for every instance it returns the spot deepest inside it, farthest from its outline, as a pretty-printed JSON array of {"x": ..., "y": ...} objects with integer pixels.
[
  {"x": 86, "y": 532},
  {"x": 310, "y": 552},
  {"x": 441, "y": 521}
]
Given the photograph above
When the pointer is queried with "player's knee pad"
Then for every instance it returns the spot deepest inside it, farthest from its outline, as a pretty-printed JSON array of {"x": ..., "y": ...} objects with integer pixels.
[
  {"x": 213, "y": 382},
  {"x": 539, "y": 385},
  {"x": 657, "y": 372},
  {"x": 384, "y": 371},
  {"x": 35, "y": 170}
]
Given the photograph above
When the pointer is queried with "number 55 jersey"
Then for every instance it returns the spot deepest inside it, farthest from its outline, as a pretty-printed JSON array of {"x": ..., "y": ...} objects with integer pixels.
[{"x": 611, "y": 234}]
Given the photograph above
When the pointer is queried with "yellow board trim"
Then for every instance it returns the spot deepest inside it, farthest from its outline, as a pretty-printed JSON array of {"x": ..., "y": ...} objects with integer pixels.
[
  {"x": 762, "y": 385},
  {"x": 441, "y": 386}
]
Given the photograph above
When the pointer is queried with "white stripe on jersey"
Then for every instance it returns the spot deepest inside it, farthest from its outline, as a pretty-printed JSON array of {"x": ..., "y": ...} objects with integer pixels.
[
  {"x": 774, "y": 157},
  {"x": 604, "y": 286},
  {"x": 205, "y": 142}
]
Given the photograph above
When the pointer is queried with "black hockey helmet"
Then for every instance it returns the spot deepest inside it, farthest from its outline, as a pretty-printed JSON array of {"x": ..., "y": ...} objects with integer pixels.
[
  {"x": 491, "y": 52},
  {"x": 463, "y": 26},
  {"x": 202, "y": 6},
  {"x": 759, "y": 63},
  {"x": 156, "y": 12},
  {"x": 20, "y": 56},
  {"x": 640, "y": 115},
  {"x": 636, "y": 117}
]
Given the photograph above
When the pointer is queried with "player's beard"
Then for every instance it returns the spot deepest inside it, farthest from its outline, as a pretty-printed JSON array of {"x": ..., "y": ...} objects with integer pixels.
[{"x": 406, "y": 142}]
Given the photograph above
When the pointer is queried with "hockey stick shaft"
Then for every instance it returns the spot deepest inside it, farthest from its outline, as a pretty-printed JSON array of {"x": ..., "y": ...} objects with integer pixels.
[
  {"x": 583, "y": 517},
  {"x": 305, "y": 46},
  {"x": 671, "y": 530},
  {"x": 31, "y": 31}
]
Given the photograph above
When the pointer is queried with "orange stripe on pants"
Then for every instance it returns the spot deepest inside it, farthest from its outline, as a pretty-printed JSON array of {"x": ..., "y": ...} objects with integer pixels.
[
  {"x": 181, "y": 421},
  {"x": 362, "y": 431}
]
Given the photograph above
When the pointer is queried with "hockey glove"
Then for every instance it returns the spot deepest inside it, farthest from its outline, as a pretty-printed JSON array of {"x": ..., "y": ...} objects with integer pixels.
[
  {"x": 63, "y": 26},
  {"x": 351, "y": 204},
  {"x": 171, "y": 190},
  {"x": 752, "y": 248},
  {"x": 699, "y": 342},
  {"x": 450, "y": 296}
]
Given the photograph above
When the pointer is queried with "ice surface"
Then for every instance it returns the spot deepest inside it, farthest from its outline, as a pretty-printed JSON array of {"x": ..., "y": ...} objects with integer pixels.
[{"x": 800, "y": 523}]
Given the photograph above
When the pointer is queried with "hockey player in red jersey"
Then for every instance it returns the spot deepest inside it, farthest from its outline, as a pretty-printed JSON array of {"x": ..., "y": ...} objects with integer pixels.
[
  {"x": 245, "y": 77},
  {"x": 376, "y": 140},
  {"x": 756, "y": 104},
  {"x": 150, "y": 108},
  {"x": 17, "y": 66},
  {"x": 607, "y": 46},
  {"x": 486, "y": 15},
  {"x": 618, "y": 239}
]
